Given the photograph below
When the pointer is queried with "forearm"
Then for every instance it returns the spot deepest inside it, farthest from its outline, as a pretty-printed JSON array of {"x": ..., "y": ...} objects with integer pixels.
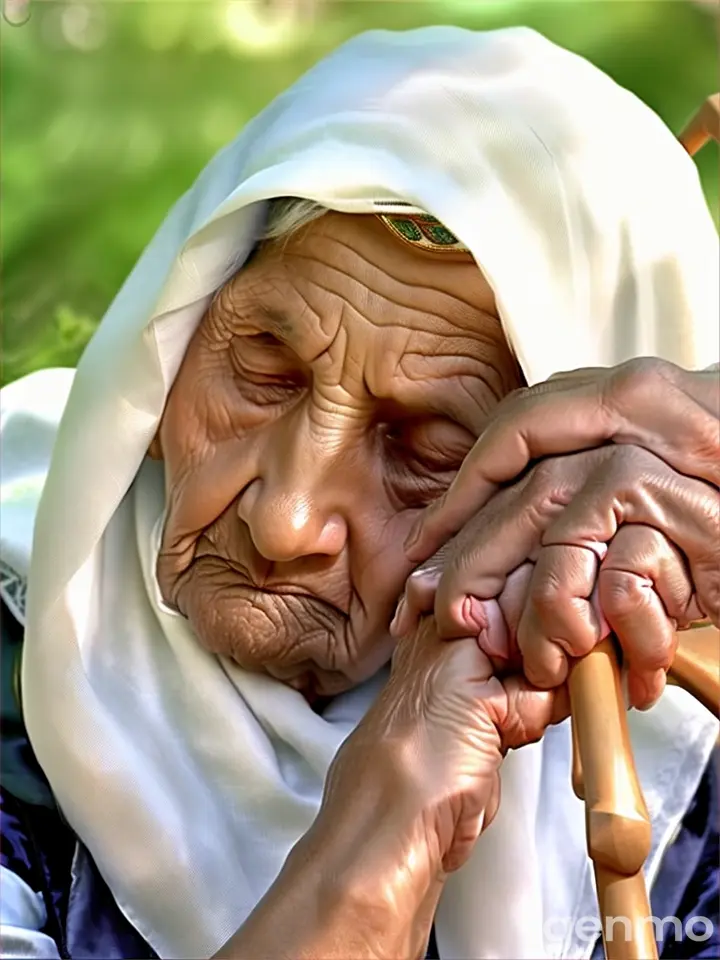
[{"x": 343, "y": 895}]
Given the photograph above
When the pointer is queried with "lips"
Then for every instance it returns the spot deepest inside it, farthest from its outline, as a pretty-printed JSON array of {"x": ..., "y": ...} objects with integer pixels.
[
  {"x": 245, "y": 581},
  {"x": 284, "y": 630},
  {"x": 291, "y": 596}
]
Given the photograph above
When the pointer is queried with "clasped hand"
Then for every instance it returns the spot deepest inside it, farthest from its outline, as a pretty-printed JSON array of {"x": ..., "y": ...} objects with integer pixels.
[
  {"x": 590, "y": 504},
  {"x": 623, "y": 536}
]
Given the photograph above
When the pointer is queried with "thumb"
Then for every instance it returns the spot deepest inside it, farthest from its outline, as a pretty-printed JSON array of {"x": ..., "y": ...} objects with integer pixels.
[{"x": 530, "y": 711}]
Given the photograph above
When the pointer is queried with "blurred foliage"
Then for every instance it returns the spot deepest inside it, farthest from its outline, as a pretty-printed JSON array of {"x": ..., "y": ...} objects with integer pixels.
[{"x": 110, "y": 110}]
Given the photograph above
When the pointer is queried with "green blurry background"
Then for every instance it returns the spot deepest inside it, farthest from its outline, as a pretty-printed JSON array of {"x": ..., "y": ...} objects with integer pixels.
[{"x": 110, "y": 110}]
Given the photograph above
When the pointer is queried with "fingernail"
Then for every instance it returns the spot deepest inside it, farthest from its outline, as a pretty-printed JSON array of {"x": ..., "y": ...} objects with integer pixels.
[
  {"x": 490, "y": 646},
  {"x": 427, "y": 575},
  {"x": 646, "y": 691},
  {"x": 396, "y": 622},
  {"x": 473, "y": 613},
  {"x": 495, "y": 637}
]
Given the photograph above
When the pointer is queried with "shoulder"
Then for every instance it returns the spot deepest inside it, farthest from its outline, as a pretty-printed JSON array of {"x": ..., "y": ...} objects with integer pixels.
[
  {"x": 30, "y": 413},
  {"x": 39, "y": 398}
]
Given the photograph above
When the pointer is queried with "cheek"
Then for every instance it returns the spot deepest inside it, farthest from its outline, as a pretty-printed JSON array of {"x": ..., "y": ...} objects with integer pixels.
[
  {"x": 207, "y": 440},
  {"x": 379, "y": 567}
]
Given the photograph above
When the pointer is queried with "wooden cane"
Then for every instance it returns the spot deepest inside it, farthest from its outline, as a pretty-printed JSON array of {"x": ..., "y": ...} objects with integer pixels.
[
  {"x": 696, "y": 668},
  {"x": 603, "y": 772},
  {"x": 703, "y": 127},
  {"x": 604, "y": 776},
  {"x": 617, "y": 823}
]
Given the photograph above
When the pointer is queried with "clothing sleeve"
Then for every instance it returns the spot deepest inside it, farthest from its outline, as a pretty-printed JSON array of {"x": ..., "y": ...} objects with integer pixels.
[{"x": 22, "y": 917}]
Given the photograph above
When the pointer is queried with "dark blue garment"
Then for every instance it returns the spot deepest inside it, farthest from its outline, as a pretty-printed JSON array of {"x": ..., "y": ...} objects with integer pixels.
[
  {"x": 688, "y": 883},
  {"x": 82, "y": 917},
  {"x": 38, "y": 848},
  {"x": 86, "y": 924},
  {"x": 690, "y": 875}
]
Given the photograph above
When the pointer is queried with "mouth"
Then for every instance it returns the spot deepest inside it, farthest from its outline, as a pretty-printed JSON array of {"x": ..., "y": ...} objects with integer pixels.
[
  {"x": 282, "y": 629},
  {"x": 279, "y": 589},
  {"x": 233, "y": 575},
  {"x": 296, "y": 594},
  {"x": 302, "y": 670}
]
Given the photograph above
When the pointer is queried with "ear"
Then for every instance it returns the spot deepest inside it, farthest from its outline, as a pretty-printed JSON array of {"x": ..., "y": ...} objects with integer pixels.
[{"x": 155, "y": 451}]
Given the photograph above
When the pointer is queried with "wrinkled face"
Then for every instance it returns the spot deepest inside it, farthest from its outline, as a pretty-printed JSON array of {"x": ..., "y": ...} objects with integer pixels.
[{"x": 330, "y": 393}]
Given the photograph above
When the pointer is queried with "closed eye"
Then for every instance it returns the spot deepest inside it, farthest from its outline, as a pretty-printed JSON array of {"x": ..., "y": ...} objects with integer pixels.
[
  {"x": 263, "y": 340},
  {"x": 435, "y": 443}
]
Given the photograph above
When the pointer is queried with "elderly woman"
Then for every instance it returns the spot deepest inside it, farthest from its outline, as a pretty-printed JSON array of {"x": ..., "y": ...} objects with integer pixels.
[{"x": 223, "y": 763}]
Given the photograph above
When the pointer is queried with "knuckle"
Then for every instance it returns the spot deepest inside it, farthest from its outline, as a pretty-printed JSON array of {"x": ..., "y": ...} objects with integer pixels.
[
  {"x": 637, "y": 541},
  {"x": 632, "y": 465},
  {"x": 635, "y": 377},
  {"x": 548, "y": 486},
  {"x": 621, "y": 592},
  {"x": 464, "y": 566},
  {"x": 543, "y": 476},
  {"x": 546, "y": 592},
  {"x": 555, "y": 481}
]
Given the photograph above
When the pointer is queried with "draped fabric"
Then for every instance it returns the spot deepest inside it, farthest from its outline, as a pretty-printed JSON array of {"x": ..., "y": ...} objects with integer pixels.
[{"x": 164, "y": 758}]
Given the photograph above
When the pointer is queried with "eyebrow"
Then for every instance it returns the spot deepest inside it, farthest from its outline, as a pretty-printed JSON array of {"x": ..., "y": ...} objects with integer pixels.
[{"x": 277, "y": 320}]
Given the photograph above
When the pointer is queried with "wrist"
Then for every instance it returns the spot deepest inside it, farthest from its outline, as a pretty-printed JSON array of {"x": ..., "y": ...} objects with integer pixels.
[
  {"x": 375, "y": 850},
  {"x": 374, "y": 873},
  {"x": 348, "y": 891}
]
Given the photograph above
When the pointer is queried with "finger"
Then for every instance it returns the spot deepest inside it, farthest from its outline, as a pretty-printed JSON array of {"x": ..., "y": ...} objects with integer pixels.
[
  {"x": 583, "y": 375},
  {"x": 418, "y": 599},
  {"x": 503, "y": 536},
  {"x": 651, "y": 403},
  {"x": 498, "y": 640},
  {"x": 640, "y": 574},
  {"x": 530, "y": 711},
  {"x": 512, "y": 602},
  {"x": 525, "y": 426},
  {"x": 559, "y": 621},
  {"x": 635, "y": 486},
  {"x": 646, "y": 592},
  {"x": 493, "y": 804}
]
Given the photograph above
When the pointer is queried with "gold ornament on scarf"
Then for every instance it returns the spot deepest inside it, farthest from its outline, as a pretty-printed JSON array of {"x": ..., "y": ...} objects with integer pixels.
[{"x": 423, "y": 232}]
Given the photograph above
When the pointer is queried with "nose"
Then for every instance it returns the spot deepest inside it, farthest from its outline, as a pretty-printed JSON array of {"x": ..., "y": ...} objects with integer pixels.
[{"x": 295, "y": 508}]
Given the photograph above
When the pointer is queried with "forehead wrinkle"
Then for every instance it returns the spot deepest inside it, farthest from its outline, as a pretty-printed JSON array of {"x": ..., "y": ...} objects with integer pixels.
[
  {"x": 353, "y": 363},
  {"x": 457, "y": 385},
  {"x": 421, "y": 366},
  {"x": 349, "y": 361},
  {"x": 480, "y": 379},
  {"x": 438, "y": 269},
  {"x": 458, "y": 307},
  {"x": 400, "y": 316}
]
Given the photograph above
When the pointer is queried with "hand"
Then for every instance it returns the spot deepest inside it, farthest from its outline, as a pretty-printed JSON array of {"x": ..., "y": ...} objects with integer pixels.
[
  {"x": 405, "y": 800},
  {"x": 649, "y": 403},
  {"x": 616, "y": 539},
  {"x": 436, "y": 738}
]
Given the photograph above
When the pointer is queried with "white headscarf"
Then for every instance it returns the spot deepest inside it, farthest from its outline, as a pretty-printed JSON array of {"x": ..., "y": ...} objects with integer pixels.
[{"x": 189, "y": 780}]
